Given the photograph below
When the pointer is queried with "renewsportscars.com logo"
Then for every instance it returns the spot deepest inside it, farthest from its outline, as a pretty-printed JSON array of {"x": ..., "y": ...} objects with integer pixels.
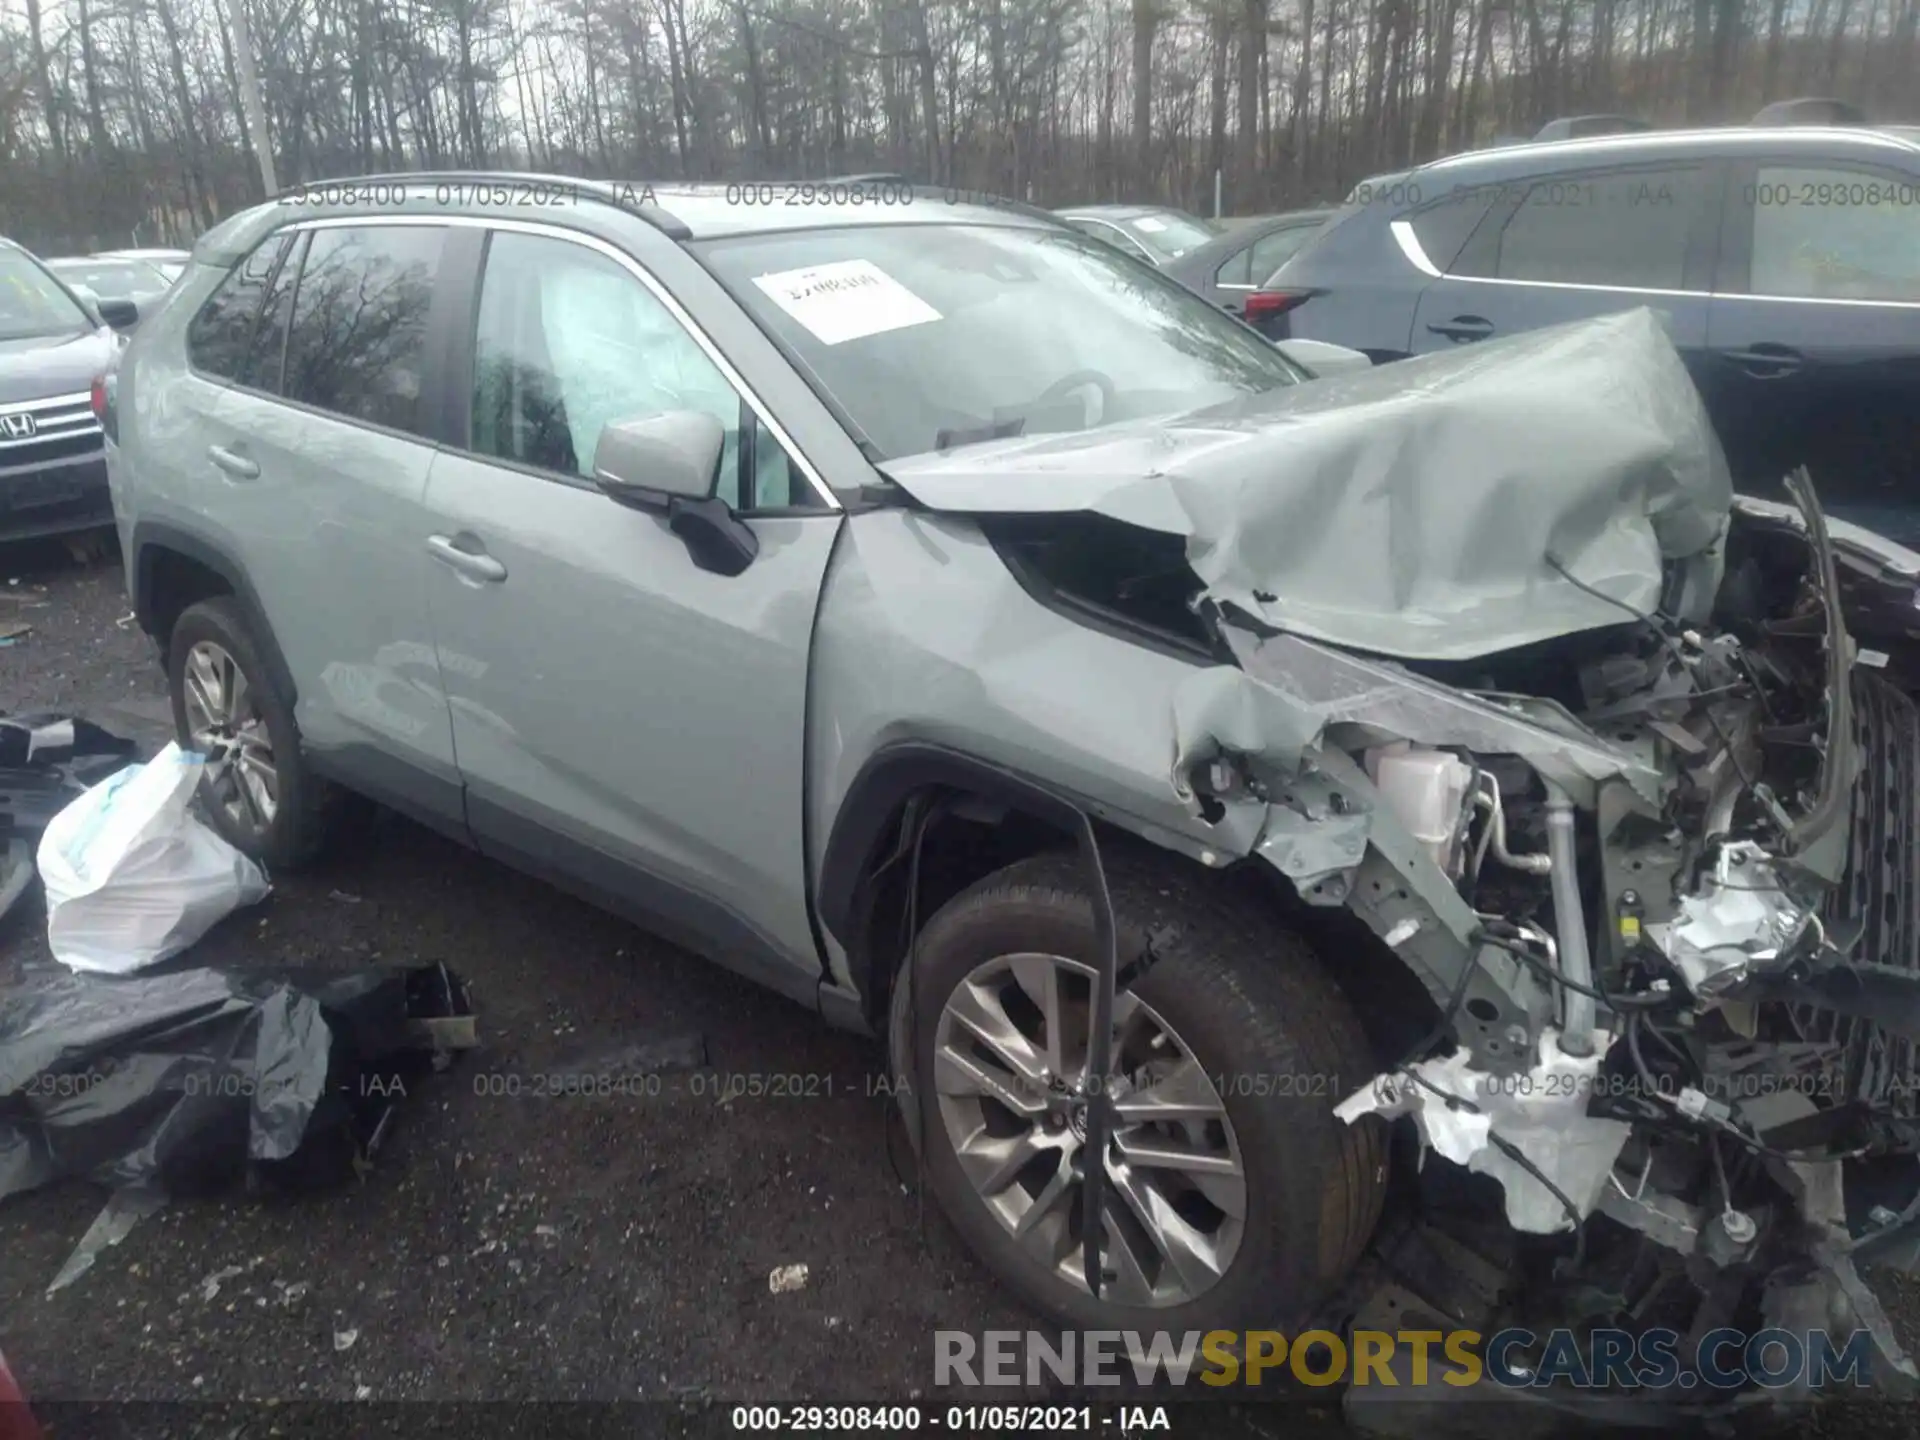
[{"x": 1725, "y": 1359}]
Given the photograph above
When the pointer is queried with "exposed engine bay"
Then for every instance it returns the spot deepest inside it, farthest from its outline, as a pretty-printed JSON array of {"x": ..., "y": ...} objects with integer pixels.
[
  {"x": 1620, "y": 771},
  {"x": 1686, "y": 854}
]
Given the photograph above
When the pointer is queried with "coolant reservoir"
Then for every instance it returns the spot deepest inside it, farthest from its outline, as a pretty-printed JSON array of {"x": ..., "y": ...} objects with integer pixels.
[{"x": 1425, "y": 789}]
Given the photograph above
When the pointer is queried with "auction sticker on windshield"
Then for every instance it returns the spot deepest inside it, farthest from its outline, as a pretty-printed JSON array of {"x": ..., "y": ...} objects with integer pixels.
[{"x": 845, "y": 300}]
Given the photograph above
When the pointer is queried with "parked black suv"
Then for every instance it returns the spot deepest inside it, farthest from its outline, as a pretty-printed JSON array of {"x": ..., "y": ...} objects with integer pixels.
[
  {"x": 1784, "y": 260},
  {"x": 53, "y": 472}
]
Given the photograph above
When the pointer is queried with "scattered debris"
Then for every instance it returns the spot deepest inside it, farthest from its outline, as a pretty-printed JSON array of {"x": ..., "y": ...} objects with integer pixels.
[
  {"x": 292, "y": 1292},
  {"x": 210, "y": 1287},
  {"x": 201, "y": 1078},
  {"x": 125, "y": 1208},
  {"x": 47, "y": 760},
  {"x": 787, "y": 1277},
  {"x": 133, "y": 876},
  {"x": 343, "y": 897},
  {"x": 344, "y": 1339}
]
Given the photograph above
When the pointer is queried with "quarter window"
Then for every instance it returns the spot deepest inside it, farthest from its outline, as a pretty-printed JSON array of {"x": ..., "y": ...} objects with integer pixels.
[
  {"x": 221, "y": 336},
  {"x": 1270, "y": 252},
  {"x": 1832, "y": 234},
  {"x": 1444, "y": 228},
  {"x": 1628, "y": 228},
  {"x": 568, "y": 342},
  {"x": 1236, "y": 270},
  {"x": 357, "y": 342}
]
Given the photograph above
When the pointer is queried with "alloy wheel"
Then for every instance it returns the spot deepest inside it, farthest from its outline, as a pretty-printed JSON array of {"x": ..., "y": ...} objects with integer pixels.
[
  {"x": 1010, "y": 1077},
  {"x": 224, "y": 723}
]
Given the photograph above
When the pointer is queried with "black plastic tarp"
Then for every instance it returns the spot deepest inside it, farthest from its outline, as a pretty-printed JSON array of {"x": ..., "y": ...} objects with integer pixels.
[{"x": 200, "y": 1078}]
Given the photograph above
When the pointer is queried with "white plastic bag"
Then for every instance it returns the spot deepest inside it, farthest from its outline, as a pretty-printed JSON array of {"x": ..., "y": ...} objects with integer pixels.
[{"x": 133, "y": 875}]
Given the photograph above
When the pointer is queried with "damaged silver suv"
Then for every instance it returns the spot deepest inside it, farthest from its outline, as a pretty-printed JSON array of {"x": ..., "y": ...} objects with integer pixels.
[{"x": 1238, "y": 778}]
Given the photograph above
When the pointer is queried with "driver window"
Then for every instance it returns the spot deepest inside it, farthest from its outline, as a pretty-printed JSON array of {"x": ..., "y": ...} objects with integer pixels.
[{"x": 568, "y": 342}]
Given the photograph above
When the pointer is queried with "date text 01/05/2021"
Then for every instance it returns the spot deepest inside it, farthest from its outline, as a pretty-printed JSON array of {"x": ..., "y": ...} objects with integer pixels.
[{"x": 954, "y": 1419}]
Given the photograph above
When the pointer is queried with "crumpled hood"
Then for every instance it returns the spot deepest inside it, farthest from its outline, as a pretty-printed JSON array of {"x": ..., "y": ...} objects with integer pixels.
[{"x": 1410, "y": 509}]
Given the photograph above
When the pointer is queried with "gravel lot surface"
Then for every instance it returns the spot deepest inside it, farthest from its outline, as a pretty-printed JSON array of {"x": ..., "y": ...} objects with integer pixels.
[{"x": 504, "y": 1247}]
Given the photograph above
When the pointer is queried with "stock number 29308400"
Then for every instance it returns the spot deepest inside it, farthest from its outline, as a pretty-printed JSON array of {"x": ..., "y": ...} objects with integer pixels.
[{"x": 900, "y": 1419}]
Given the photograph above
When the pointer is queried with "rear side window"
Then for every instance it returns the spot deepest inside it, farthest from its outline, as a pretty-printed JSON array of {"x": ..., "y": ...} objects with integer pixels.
[
  {"x": 1832, "y": 234},
  {"x": 1270, "y": 252},
  {"x": 1444, "y": 228},
  {"x": 220, "y": 337},
  {"x": 1236, "y": 270},
  {"x": 357, "y": 341},
  {"x": 1627, "y": 228}
]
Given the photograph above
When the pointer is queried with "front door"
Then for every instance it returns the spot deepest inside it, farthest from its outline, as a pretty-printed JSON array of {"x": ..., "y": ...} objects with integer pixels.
[{"x": 626, "y": 722}]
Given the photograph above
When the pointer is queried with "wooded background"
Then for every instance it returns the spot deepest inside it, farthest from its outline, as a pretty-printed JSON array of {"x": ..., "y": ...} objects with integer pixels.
[{"x": 121, "y": 123}]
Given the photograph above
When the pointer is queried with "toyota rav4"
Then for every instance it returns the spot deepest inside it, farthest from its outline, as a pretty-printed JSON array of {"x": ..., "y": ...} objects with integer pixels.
[{"x": 1215, "y": 782}]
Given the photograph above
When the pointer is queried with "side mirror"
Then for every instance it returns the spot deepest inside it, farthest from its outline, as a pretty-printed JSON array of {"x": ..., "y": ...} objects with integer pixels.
[
  {"x": 120, "y": 314},
  {"x": 657, "y": 457},
  {"x": 1319, "y": 358},
  {"x": 669, "y": 463}
]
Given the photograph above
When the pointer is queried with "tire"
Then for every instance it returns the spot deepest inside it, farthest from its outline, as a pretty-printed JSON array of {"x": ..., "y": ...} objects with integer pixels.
[
  {"x": 1242, "y": 997},
  {"x": 304, "y": 805}
]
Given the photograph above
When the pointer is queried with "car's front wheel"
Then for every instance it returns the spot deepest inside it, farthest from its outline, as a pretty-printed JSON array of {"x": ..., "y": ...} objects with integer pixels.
[
  {"x": 1234, "y": 1198},
  {"x": 258, "y": 791}
]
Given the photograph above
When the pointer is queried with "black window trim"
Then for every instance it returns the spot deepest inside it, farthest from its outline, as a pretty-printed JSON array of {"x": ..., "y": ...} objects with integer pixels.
[
  {"x": 1703, "y": 242},
  {"x": 464, "y": 327},
  {"x": 1733, "y": 276}
]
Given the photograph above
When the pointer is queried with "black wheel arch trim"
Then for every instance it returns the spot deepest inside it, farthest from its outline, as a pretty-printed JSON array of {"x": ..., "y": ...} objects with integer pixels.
[
  {"x": 888, "y": 778},
  {"x": 150, "y": 538}
]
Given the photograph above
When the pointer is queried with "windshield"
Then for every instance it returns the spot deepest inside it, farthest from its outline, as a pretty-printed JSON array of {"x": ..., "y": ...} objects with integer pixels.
[
  {"x": 932, "y": 336},
  {"x": 1167, "y": 232},
  {"x": 32, "y": 302},
  {"x": 111, "y": 279}
]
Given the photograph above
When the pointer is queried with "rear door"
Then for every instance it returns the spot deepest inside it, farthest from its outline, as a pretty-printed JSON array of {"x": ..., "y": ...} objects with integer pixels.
[
  {"x": 1815, "y": 335},
  {"x": 1573, "y": 245},
  {"x": 628, "y": 724},
  {"x": 322, "y": 450}
]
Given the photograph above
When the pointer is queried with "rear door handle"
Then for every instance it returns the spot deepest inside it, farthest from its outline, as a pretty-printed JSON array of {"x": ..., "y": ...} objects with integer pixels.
[
  {"x": 233, "y": 462},
  {"x": 1767, "y": 361},
  {"x": 1464, "y": 327},
  {"x": 474, "y": 564}
]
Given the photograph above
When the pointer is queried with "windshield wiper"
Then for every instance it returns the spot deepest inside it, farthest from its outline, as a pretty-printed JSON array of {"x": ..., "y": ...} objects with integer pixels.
[{"x": 945, "y": 438}]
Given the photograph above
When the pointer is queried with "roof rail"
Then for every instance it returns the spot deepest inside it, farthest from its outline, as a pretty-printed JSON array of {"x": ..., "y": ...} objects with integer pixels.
[
  {"x": 1579, "y": 127},
  {"x": 621, "y": 194},
  {"x": 1810, "y": 110}
]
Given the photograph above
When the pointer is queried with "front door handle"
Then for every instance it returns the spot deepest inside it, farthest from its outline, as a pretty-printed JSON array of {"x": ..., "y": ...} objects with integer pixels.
[
  {"x": 474, "y": 564},
  {"x": 1767, "y": 361},
  {"x": 233, "y": 462},
  {"x": 1463, "y": 328}
]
